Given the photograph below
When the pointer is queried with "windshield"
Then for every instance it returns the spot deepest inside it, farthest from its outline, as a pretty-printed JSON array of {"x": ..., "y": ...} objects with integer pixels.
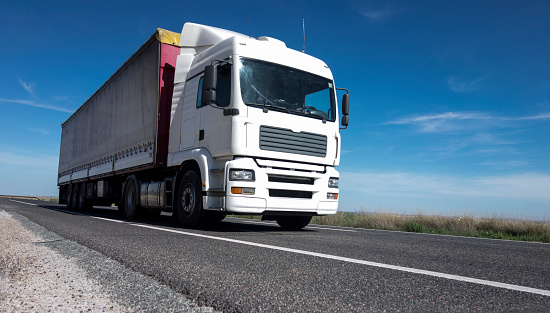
[{"x": 286, "y": 89}]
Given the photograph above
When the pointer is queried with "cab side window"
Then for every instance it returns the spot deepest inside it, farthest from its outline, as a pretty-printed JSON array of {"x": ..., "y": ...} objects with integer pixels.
[{"x": 223, "y": 88}]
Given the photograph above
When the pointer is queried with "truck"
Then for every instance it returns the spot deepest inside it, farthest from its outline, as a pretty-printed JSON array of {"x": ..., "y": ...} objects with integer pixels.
[{"x": 205, "y": 123}]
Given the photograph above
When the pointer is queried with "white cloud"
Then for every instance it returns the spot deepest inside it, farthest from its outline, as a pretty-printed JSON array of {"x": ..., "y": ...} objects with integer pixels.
[
  {"x": 39, "y": 131},
  {"x": 450, "y": 121},
  {"x": 440, "y": 122},
  {"x": 543, "y": 116},
  {"x": 400, "y": 184},
  {"x": 60, "y": 98},
  {"x": 37, "y": 103},
  {"x": 483, "y": 139},
  {"x": 500, "y": 165},
  {"x": 9, "y": 158},
  {"x": 29, "y": 87},
  {"x": 460, "y": 85},
  {"x": 378, "y": 15},
  {"x": 440, "y": 117}
]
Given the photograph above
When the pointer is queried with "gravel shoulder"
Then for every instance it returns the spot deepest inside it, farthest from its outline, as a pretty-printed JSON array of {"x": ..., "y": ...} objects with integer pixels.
[{"x": 43, "y": 272}]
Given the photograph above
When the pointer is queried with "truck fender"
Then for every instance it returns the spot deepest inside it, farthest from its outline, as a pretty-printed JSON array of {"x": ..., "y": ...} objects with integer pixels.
[{"x": 198, "y": 159}]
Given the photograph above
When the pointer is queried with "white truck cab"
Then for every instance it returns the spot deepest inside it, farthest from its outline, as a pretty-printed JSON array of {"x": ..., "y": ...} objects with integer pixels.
[{"x": 261, "y": 120}]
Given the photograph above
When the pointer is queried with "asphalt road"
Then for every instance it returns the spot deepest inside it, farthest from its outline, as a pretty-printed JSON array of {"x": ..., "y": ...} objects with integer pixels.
[{"x": 252, "y": 266}]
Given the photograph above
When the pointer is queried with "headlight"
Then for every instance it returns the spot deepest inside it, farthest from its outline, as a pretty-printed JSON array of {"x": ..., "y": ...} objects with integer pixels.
[
  {"x": 238, "y": 174},
  {"x": 333, "y": 182}
]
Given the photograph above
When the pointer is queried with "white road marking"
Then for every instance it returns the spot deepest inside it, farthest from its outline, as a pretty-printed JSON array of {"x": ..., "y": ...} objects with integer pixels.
[
  {"x": 335, "y": 229},
  {"x": 22, "y": 202},
  {"x": 349, "y": 260},
  {"x": 337, "y": 258}
]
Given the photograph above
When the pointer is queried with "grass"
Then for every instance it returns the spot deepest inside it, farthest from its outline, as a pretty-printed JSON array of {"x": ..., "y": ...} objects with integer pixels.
[{"x": 495, "y": 228}]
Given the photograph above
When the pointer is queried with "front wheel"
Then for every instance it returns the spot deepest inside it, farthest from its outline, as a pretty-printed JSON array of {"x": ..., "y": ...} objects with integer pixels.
[
  {"x": 293, "y": 222},
  {"x": 189, "y": 201}
]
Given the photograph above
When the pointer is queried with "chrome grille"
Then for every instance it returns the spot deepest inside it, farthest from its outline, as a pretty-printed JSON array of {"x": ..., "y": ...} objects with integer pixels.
[
  {"x": 285, "y": 140},
  {"x": 290, "y": 179}
]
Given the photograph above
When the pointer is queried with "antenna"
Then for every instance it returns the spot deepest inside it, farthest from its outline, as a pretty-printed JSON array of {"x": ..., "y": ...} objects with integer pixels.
[
  {"x": 249, "y": 33},
  {"x": 304, "y": 30}
]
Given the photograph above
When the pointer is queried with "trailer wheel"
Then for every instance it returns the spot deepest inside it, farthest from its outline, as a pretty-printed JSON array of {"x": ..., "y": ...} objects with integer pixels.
[
  {"x": 130, "y": 201},
  {"x": 74, "y": 197},
  {"x": 189, "y": 201},
  {"x": 293, "y": 222},
  {"x": 62, "y": 195},
  {"x": 69, "y": 197},
  {"x": 83, "y": 203}
]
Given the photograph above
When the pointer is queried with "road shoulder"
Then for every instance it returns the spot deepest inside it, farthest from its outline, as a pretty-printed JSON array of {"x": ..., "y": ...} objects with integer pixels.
[{"x": 41, "y": 271}]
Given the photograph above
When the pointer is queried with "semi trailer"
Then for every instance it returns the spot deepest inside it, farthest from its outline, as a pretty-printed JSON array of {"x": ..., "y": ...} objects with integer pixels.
[{"x": 204, "y": 123}]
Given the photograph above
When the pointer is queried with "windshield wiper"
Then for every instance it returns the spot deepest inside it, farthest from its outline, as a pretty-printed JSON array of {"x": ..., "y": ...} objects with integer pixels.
[
  {"x": 317, "y": 116},
  {"x": 267, "y": 107},
  {"x": 279, "y": 108},
  {"x": 270, "y": 106}
]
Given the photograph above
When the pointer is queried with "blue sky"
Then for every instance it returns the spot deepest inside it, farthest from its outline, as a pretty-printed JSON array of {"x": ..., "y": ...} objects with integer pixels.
[{"x": 450, "y": 99}]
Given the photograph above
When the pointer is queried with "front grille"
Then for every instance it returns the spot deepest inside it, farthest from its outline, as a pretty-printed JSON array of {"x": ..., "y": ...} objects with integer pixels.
[
  {"x": 290, "y": 179},
  {"x": 281, "y": 193},
  {"x": 285, "y": 140}
]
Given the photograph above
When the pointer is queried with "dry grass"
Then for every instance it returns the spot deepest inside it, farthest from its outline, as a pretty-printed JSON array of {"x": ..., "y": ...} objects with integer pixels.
[
  {"x": 493, "y": 227},
  {"x": 50, "y": 199}
]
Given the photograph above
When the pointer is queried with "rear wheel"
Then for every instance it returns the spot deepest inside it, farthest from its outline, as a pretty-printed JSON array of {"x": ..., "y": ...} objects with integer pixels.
[
  {"x": 69, "y": 197},
  {"x": 189, "y": 201},
  {"x": 83, "y": 203},
  {"x": 130, "y": 201},
  {"x": 74, "y": 197},
  {"x": 293, "y": 222}
]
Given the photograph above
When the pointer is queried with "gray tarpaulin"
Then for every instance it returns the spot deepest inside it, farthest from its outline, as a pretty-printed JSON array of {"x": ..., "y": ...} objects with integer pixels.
[{"x": 121, "y": 114}]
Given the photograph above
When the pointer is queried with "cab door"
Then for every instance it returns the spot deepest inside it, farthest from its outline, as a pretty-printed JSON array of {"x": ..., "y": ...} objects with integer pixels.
[
  {"x": 214, "y": 127},
  {"x": 190, "y": 120}
]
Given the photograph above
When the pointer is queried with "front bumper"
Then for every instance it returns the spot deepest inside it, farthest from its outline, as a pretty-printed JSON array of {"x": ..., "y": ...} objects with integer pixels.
[{"x": 282, "y": 187}]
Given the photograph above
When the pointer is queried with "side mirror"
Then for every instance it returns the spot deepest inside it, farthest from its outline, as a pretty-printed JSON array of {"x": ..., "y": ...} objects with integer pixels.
[
  {"x": 345, "y": 104},
  {"x": 345, "y": 120},
  {"x": 209, "y": 83},
  {"x": 345, "y": 110}
]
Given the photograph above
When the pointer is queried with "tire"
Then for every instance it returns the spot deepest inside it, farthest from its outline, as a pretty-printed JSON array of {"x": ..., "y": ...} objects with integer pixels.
[
  {"x": 81, "y": 197},
  {"x": 293, "y": 222},
  {"x": 83, "y": 203},
  {"x": 62, "y": 196},
  {"x": 189, "y": 201},
  {"x": 69, "y": 196},
  {"x": 131, "y": 199},
  {"x": 74, "y": 197}
]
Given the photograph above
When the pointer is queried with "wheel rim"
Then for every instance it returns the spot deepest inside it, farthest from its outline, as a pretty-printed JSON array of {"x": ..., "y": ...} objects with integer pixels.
[{"x": 188, "y": 199}]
